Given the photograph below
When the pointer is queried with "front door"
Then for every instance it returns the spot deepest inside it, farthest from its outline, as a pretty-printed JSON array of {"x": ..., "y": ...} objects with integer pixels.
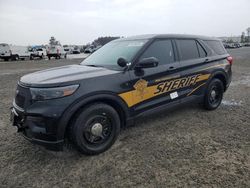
[{"x": 151, "y": 86}]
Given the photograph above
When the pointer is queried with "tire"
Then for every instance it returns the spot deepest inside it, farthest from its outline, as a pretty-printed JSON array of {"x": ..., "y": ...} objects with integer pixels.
[
  {"x": 14, "y": 57},
  {"x": 214, "y": 94},
  {"x": 65, "y": 56},
  {"x": 31, "y": 57},
  {"x": 49, "y": 57},
  {"x": 6, "y": 59},
  {"x": 95, "y": 129}
]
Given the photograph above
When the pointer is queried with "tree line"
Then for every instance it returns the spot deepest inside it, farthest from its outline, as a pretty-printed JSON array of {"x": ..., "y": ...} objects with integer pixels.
[{"x": 244, "y": 37}]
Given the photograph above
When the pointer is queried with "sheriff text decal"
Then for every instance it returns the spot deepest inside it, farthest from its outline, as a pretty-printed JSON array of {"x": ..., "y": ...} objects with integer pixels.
[{"x": 143, "y": 92}]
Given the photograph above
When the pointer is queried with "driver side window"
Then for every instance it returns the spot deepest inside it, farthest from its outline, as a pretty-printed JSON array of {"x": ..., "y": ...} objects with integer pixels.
[{"x": 160, "y": 49}]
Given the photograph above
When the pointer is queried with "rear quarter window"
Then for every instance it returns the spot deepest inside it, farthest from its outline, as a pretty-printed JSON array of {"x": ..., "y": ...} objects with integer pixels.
[{"x": 216, "y": 46}]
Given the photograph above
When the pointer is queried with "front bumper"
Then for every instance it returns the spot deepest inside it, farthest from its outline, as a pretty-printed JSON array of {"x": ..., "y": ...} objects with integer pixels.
[{"x": 38, "y": 130}]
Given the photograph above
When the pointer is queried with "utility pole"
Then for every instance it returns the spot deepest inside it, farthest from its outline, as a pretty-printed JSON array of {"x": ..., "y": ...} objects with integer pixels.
[{"x": 248, "y": 34}]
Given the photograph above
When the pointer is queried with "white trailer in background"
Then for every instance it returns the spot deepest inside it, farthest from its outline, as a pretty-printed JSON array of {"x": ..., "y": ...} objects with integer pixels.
[{"x": 13, "y": 52}]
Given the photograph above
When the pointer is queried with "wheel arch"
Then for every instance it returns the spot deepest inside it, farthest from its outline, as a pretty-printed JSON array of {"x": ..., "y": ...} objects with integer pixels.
[
  {"x": 221, "y": 76},
  {"x": 70, "y": 114}
]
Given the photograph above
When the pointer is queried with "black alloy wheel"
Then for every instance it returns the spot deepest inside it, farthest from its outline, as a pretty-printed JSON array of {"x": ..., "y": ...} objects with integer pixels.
[
  {"x": 95, "y": 129},
  {"x": 214, "y": 94}
]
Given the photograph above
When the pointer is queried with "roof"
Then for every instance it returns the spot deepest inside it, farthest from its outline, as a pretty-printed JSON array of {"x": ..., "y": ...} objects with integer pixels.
[{"x": 151, "y": 36}]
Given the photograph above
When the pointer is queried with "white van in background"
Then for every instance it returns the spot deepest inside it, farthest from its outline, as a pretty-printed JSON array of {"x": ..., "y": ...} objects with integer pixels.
[
  {"x": 13, "y": 52},
  {"x": 56, "y": 51}
]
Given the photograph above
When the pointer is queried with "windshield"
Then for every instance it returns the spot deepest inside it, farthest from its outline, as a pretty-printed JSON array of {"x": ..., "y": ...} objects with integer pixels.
[{"x": 108, "y": 55}]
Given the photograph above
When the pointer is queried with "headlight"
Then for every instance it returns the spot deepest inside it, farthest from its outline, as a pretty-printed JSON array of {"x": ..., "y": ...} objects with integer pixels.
[{"x": 52, "y": 93}]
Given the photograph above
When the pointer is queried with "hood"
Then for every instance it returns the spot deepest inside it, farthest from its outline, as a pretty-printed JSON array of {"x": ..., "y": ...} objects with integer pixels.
[{"x": 64, "y": 74}]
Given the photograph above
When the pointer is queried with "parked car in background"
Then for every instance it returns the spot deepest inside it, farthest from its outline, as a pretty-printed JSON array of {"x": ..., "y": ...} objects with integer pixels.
[
  {"x": 56, "y": 51},
  {"x": 38, "y": 52},
  {"x": 89, "y": 49},
  {"x": 237, "y": 45},
  {"x": 13, "y": 52},
  {"x": 76, "y": 50},
  {"x": 68, "y": 49}
]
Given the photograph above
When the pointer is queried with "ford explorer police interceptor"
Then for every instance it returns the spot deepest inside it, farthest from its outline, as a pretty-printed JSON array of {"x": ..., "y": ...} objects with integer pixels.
[{"x": 127, "y": 78}]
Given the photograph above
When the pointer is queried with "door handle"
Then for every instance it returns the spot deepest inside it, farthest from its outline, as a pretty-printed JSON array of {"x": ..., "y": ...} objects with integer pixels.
[
  {"x": 171, "y": 68},
  {"x": 206, "y": 60}
]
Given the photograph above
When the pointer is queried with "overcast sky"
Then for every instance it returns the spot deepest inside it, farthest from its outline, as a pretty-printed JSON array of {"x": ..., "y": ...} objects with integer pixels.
[{"x": 30, "y": 22}]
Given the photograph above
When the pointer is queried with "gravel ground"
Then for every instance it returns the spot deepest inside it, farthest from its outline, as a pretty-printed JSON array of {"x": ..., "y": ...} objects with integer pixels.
[{"x": 185, "y": 147}]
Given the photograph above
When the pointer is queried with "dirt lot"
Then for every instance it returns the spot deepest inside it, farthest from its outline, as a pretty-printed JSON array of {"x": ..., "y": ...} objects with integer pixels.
[{"x": 187, "y": 147}]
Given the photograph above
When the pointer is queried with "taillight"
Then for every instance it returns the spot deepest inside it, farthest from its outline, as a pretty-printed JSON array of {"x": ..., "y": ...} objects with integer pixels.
[{"x": 230, "y": 60}]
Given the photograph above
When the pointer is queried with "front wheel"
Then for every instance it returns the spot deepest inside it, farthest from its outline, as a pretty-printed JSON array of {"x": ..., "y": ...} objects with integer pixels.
[
  {"x": 14, "y": 57},
  {"x": 95, "y": 129},
  {"x": 214, "y": 94}
]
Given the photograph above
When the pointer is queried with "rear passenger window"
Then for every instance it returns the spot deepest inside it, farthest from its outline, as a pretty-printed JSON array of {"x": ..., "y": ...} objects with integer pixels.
[
  {"x": 188, "y": 49},
  {"x": 160, "y": 49},
  {"x": 216, "y": 46},
  {"x": 202, "y": 52}
]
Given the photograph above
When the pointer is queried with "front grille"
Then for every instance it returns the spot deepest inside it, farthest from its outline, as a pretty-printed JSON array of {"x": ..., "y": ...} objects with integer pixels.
[{"x": 23, "y": 97}]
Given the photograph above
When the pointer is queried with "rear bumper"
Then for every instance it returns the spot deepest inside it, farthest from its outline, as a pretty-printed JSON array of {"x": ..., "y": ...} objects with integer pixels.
[
  {"x": 36, "y": 55},
  {"x": 53, "y": 55},
  {"x": 37, "y": 130},
  {"x": 5, "y": 56}
]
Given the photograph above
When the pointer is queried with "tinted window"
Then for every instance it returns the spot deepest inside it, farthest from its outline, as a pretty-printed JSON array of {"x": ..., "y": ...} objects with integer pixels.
[
  {"x": 162, "y": 50},
  {"x": 188, "y": 49},
  {"x": 202, "y": 52},
  {"x": 216, "y": 46}
]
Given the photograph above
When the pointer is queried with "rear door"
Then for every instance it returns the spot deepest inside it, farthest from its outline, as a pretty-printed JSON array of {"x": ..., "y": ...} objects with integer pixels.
[
  {"x": 194, "y": 67},
  {"x": 149, "y": 89}
]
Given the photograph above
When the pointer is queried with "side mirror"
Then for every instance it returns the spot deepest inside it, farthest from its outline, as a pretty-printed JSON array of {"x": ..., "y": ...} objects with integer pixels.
[
  {"x": 148, "y": 62},
  {"x": 122, "y": 62}
]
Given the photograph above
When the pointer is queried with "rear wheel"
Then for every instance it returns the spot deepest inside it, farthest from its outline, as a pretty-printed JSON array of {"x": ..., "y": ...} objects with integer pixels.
[
  {"x": 214, "y": 94},
  {"x": 95, "y": 129}
]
